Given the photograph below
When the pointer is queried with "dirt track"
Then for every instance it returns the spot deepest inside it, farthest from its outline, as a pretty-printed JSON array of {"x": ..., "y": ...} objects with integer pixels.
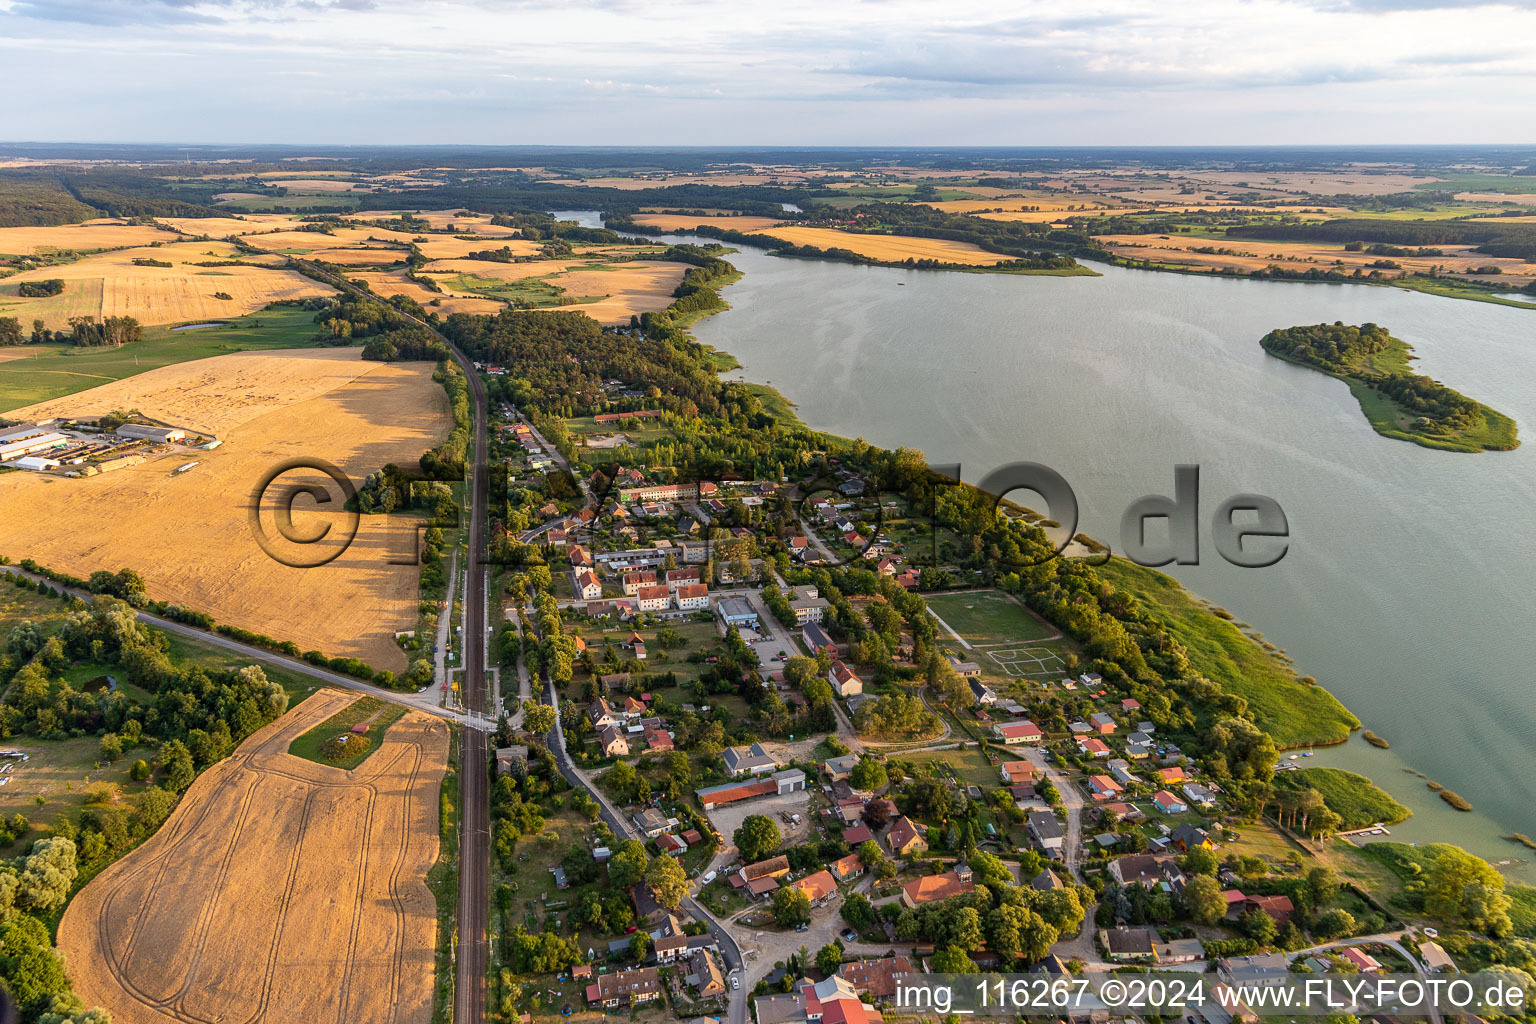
[{"x": 280, "y": 890}]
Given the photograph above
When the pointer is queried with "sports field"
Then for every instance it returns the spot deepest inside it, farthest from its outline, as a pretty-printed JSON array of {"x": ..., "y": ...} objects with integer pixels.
[{"x": 998, "y": 633}]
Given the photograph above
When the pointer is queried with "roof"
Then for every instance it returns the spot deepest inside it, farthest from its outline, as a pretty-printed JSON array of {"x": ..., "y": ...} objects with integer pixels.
[
  {"x": 748, "y": 758},
  {"x": 653, "y": 593},
  {"x": 931, "y": 888},
  {"x": 877, "y": 977},
  {"x": 730, "y": 792},
  {"x": 902, "y": 832},
  {"x": 1129, "y": 941},
  {"x": 1018, "y": 729},
  {"x": 1044, "y": 825},
  {"x": 772, "y": 866},
  {"x": 818, "y": 885},
  {"x": 1094, "y": 745},
  {"x": 1165, "y": 799},
  {"x": 758, "y": 886},
  {"x": 780, "y": 1008},
  {"x": 816, "y": 637},
  {"x": 1138, "y": 867},
  {"x": 857, "y": 834},
  {"x": 1018, "y": 768},
  {"x": 692, "y": 590},
  {"x": 641, "y": 980},
  {"x": 845, "y": 867}
]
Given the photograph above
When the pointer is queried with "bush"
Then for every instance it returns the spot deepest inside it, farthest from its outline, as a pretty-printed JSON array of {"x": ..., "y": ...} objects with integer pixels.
[{"x": 345, "y": 746}]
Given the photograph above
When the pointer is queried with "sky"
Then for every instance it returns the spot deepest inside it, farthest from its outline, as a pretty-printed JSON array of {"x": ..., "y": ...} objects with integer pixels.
[{"x": 790, "y": 72}]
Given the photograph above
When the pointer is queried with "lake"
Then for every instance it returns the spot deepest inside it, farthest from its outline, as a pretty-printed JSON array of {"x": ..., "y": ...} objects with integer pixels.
[{"x": 1406, "y": 587}]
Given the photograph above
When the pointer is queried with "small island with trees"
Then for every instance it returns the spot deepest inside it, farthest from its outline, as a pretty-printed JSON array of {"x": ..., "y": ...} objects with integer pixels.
[{"x": 1397, "y": 402}]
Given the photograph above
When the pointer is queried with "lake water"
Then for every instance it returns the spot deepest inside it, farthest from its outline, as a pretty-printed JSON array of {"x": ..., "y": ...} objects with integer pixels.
[
  {"x": 583, "y": 218},
  {"x": 1406, "y": 589}
]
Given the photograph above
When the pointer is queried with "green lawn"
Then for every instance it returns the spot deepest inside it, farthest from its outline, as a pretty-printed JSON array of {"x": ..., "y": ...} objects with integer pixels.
[
  {"x": 1293, "y": 713},
  {"x": 969, "y": 766},
  {"x": 378, "y": 714},
  {"x": 988, "y": 617},
  {"x": 1354, "y": 798},
  {"x": 51, "y": 371}
]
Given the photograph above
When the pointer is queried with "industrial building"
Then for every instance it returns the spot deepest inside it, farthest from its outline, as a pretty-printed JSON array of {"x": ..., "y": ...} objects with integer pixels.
[
  {"x": 29, "y": 441},
  {"x": 142, "y": 432}
]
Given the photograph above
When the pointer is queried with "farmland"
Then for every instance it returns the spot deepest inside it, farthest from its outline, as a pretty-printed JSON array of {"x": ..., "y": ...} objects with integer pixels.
[
  {"x": 267, "y": 408},
  {"x": 131, "y": 282},
  {"x": 87, "y": 237},
  {"x": 279, "y": 889},
  {"x": 37, "y": 373}
]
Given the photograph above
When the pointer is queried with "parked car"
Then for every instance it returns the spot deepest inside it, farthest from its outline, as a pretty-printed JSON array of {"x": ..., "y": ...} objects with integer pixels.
[
  {"x": 849, "y": 935},
  {"x": 735, "y": 982}
]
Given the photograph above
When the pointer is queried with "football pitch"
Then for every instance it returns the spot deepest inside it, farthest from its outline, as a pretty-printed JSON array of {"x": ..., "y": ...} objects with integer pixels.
[{"x": 998, "y": 633}]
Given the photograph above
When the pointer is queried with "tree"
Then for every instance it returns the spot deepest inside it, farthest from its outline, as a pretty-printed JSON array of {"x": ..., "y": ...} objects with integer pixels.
[
  {"x": 1464, "y": 889},
  {"x": 867, "y": 775},
  {"x": 578, "y": 864},
  {"x": 858, "y": 911},
  {"x": 1334, "y": 924},
  {"x": 1200, "y": 861},
  {"x": 829, "y": 958},
  {"x": 627, "y": 865},
  {"x": 1203, "y": 899},
  {"x": 757, "y": 837},
  {"x": 111, "y": 747},
  {"x": 176, "y": 759},
  {"x": 538, "y": 718},
  {"x": 667, "y": 882},
  {"x": 791, "y": 907},
  {"x": 640, "y": 944},
  {"x": 1259, "y": 927},
  {"x": 952, "y": 960},
  {"x": 47, "y": 874}
]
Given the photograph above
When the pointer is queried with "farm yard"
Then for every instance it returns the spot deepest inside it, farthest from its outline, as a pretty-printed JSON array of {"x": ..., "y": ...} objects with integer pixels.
[
  {"x": 278, "y": 890},
  {"x": 267, "y": 408}
]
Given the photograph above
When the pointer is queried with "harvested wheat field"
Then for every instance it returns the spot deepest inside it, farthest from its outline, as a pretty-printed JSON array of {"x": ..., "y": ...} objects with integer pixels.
[
  {"x": 438, "y": 220},
  {"x": 446, "y": 247},
  {"x": 279, "y": 890},
  {"x": 96, "y": 234},
  {"x": 620, "y": 290},
  {"x": 687, "y": 222},
  {"x": 395, "y": 282},
  {"x": 190, "y": 535},
  {"x": 890, "y": 248},
  {"x": 111, "y": 284},
  {"x": 225, "y": 227}
]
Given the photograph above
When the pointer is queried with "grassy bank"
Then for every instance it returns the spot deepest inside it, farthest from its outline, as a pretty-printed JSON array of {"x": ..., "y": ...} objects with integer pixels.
[
  {"x": 1357, "y": 800},
  {"x": 375, "y": 713},
  {"x": 1292, "y": 712},
  {"x": 443, "y": 880}
]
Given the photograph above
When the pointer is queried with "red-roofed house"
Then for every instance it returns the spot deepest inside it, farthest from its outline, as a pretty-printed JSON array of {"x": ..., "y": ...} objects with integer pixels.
[
  {"x": 1013, "y": 772},
  {"x": 1018, "y": 732},
  {"x": 1102, "y": 787},
  {"x": 847, "y": 867},
  {"x": 1168, "y": 803},
  {"x": 1093, "y": 746},
  {"x": 932, "y": 888},
  {"x": 817, "y": 887},
  {"x": 905, "y": 837}
]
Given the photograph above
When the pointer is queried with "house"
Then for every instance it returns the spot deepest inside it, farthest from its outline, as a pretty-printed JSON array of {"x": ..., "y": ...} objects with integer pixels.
[
  {"x": 633, "y": 708},
  {"x": 704, "y": 974},
  {"x": 1129, "y": 944},
  {"x": 614, "y": 681},
  {"x": 579, "y": 556},
  {"x": 653, "y": 598},
  {"x": 857, "y": 834},
  {"x": 1123, "y": 811},
  {"x": 1199, "y": 794},
  {"x": 693, "y": 596},
  {"x": 933, "y": 888},
  {"x": 1187, "y": 837},
  {"x": 624, "y": 988},
  {"x": 743, "y": 760},
  {"x": 651, "y": 822},
  {"x": 1180, "y": 951},
  {"x": 1102, "y": 723},
  {"x": 1102, "y": 787},
  {"x": 1130, "y": 704},
  {"x": 982, "y": 692},
  {"x": 837, "y": 768},
  {"x": 1363, "y": 961},
  {"x": 835, "y": 1001},
  {"x": 809, "y": 609},
  {"x": 877, "y": 977},
  {"x": 1137, "y": 869},
  {"x": 1121, "y": 770},
  {"x": 612, "y": 741},
  {"x": 669, "y": 942},
  {"x": 1018, "y": 732},
  {"x": 1168, "y": 803},
  {"x": 905, "y": 837},
  {"x": 657, "y": 739},
  {"x": 780, "y": 1008},
  {"x": 964, "y": 669},
  {"x": 1436, "y": 959},
  {"x": 683, "y": 577},
  {"x": 586, "y": 586},
  {"x": 816, "y": 640},
  {"x": 1045, "y": 829},
  {"x": 1279, "y": 908},
  {"x": 847, "y": 867},
  {"x": 1138, "y": 751},
  {"x": 647, "y": 909},
  {"x": 817, "y": 887},
  {"x": 511, "y": 759},
  {"x": 773, "y": 867},
  {"x": 844, "y": 680},
  {"x": 1171, "y": 775},
  {"x": 633, "y": 581},
  {"x": 1093, "y": 746},
  {"x": 1014, "y": 772},
  {"x": 731, "y": 792},
  {"x": 1045, "y": 881},
  {"x": 1092, "y": 680},
  {"x": 672, "y": 846}
]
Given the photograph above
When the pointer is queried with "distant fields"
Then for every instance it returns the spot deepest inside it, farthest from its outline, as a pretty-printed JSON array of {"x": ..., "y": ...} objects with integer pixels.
[
  {"x": 1295, "y": 714},
  {"x": 43, "y": 372}
]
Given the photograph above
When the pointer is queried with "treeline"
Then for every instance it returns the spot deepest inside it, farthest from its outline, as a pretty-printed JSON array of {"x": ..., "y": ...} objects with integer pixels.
[
  {"x": 38, "y": 198},
  {"x": 83, "y": 330},
  {"x": 1517, "y": 240},
  {"x": 446, "y": 461},
  {"x": 40, "y": 289}
]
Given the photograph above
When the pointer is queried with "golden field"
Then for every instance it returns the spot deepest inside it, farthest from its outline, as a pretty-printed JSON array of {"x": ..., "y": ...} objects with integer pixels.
[
  {"x": 621, "y": 290},
  {"x": 890, "y": 248},
  {"x": 395, "y": 282},
  {"x": 95, "y": 234},
  {"x": 110, "y": 284},
  {"x": 279, "y": 889},
  {"x": 687, "y": 222},
  {"x": 1250, "y": 254},
  {"x": 189, "y": 533}
]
